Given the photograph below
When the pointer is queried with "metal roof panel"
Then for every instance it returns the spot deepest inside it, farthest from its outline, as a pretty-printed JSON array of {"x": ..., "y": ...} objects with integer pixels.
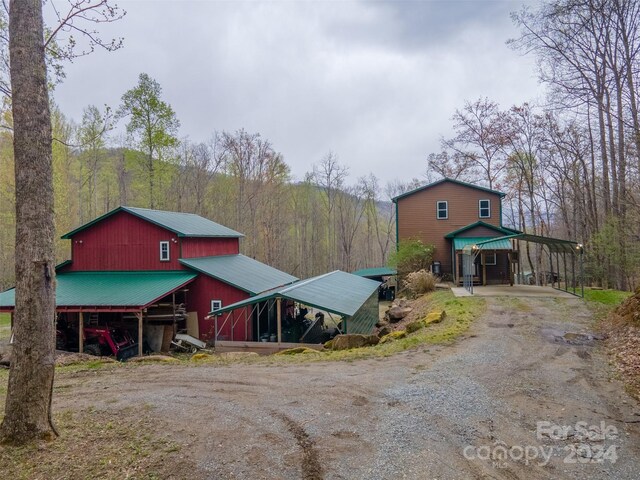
[
  {"x": 337, "y": 292},
  {"x": 183, "y": 224},
  {"x": 241, "y": 271},
  {"x": 111, "y": 289}
]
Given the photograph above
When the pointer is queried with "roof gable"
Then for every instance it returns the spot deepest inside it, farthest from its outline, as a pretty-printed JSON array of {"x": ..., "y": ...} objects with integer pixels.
[
  {"x": 182, "y": 224},
  {"x": 240, "y": 271},
  {"x": 500, "y": 230},
  {"x": 448, "y": 180}
]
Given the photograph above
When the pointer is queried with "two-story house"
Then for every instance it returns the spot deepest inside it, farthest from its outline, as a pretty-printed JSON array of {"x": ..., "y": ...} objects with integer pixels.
[{"x": 451, "y": 215}]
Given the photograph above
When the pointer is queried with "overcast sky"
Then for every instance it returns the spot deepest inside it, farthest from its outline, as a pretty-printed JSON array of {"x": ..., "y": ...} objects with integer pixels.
[{"x": 376, "y": 82}]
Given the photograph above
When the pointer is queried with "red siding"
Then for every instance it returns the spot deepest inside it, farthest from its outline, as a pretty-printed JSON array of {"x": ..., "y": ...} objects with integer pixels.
[
  {"x": 207, "y": 247},
  {"x": 123, "y": 242},
  {"x": 201, "y": 292}
]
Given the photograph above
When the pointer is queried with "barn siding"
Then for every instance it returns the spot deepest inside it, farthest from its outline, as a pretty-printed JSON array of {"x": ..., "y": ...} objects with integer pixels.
[
  {"x": 207, "y": 247},
  {"x": 201, "y": 292},
  {"x": 123, "y": 242},
  {"x": 417, "y": 215}
]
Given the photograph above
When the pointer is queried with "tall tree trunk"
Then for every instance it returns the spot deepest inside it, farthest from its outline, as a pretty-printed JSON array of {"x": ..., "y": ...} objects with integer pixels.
[{"x": 28, "y": 406}]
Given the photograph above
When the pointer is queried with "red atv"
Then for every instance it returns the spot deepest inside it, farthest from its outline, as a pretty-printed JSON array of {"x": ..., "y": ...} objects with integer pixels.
[{"x": 109, "y": 341}]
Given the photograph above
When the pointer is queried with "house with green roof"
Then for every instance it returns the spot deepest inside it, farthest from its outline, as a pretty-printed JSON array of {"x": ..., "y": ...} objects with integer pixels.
[{"x": 451, "y": 214}]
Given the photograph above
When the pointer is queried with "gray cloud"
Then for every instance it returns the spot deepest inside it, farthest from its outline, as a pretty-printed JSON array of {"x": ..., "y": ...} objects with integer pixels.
[{"x": 375, "y": 82}]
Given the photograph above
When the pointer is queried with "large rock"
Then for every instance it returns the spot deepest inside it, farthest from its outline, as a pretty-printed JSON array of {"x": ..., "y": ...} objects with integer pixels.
[
  {"x": 353, "y": 340},
  {"x": 435, "y": 317},
  {"x": 384, "y": 330},
  {"x": 396, "y": 314},
  {"x": 393, "y": 336}
]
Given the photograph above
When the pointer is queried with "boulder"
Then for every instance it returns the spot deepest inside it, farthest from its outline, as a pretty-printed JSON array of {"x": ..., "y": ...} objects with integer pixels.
[
  {"x": 385, "y": 330},
  {"x": 435, "y": 317},
  {"x": 232, "y": 355},
  {"x": 393, "y": 336},
  {"x": 353, "y": 340},
  {"x": 396, "y": 314},
  {"x": 201, "y": 356},
  {"x": 296, "y": 350}
]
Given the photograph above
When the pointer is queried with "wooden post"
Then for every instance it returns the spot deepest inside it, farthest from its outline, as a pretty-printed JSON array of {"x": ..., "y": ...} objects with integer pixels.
[
  {"x": 484, "y": 267},
  {"x": 80, "y": 332},
  {"x": 139, "y": 315},
  {"x": 457, "y": 264},
  {"x": 279, "y": 319}
]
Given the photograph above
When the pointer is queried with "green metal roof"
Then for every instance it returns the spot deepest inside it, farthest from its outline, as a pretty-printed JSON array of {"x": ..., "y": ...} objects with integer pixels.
[
  {"x": 240, "y": 271},
  {"x": 480, "y": 223},
  {"x": 488, "y": 243},
  {"x": 375, "y": 272},
  {"x": 182, "y": 224},
  {"x": 337, "y": 292},
  {"x": 555, "y": 245},
  {"x": 450, "y": 180},
  {"x": 111, "y": 289}
]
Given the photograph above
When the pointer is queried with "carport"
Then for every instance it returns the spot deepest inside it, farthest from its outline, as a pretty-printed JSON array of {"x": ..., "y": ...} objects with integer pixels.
[
  {"x": 353, "y": 301},
  {"x": 83, "y": 297},
  {"x": 564, "y": 257}
]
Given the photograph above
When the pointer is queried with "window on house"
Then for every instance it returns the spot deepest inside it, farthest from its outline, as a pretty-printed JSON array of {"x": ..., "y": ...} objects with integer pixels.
[
  {"x": 216, "y": 305},
  {"x": 164, "y": 251},
  {"x": 442, "y": 210},
  {"x": 484, "y": 208},
  {"x": 490, "y": 258}
]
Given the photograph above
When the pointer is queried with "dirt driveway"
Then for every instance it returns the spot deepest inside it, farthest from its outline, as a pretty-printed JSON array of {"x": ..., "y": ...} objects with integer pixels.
[{"x": 431, "y": 413}]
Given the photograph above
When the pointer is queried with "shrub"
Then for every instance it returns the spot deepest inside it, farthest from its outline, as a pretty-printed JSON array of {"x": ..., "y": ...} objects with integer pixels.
[
  {"x": 420, "y": 282},
  {"x": 412, "y": 255}
]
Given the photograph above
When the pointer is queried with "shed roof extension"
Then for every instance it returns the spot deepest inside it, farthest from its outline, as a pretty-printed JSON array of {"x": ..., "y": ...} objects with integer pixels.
[
  {"x": 335, "y": 292},
  {"x": 489, "y": 243},
  {"x": 182, "y": 224},
  {"x": 113, "y": 290},
  {"x": 240, "y": 271},
  {"x": 375, "y": 272},
  {"x": 450, "y": 180}
]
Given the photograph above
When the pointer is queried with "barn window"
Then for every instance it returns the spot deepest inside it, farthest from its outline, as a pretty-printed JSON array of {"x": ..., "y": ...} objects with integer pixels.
[
  {"x": 484, "y": 208},
  {"x": 442, "y": 210},
  {"x": 216, "y": 305},
  {"x": 164, "y": 251}
]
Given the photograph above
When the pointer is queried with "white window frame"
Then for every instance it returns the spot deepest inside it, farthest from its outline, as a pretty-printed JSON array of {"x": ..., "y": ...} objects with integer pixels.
[
  {"x": 168, "y": 251},
  {"x": 495, "y": 258},
  {"x": 480, "y": 208},
  {"x": 216, "y": 305},
  {"x": 446, "y": 204}
]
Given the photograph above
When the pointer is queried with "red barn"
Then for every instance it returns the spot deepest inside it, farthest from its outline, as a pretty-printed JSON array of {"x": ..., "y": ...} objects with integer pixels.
[{"x": 167, "y": 270}]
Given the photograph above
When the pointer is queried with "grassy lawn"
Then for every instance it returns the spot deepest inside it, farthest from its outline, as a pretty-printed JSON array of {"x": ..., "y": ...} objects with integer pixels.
[
  {"x": 5, "y": 326},
  {"x": 460, "y": 314},
  {"x": 601, "y": 302}
]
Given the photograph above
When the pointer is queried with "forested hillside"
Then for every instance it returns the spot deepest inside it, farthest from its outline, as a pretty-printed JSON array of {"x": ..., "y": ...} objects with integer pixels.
[
  {"x": 569, "y": 162},
  {"x": 327, "y": 221}
]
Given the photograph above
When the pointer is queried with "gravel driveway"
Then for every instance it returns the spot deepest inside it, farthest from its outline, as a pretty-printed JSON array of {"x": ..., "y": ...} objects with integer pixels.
[{"x": 503, "y": 402}]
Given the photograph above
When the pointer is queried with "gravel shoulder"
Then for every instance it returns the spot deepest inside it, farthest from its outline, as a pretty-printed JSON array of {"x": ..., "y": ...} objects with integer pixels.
[{"x": 433, "y": 412}]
